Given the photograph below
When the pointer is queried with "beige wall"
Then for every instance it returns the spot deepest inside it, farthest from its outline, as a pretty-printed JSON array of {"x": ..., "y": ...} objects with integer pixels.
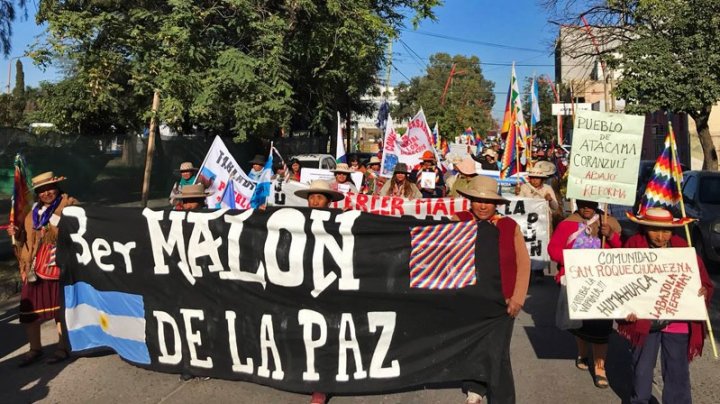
[{"x": 696, "y": 154}]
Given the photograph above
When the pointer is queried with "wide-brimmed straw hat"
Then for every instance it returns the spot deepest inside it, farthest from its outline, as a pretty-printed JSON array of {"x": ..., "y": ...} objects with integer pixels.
[
  {"x": 466, "y": 166},
  {"x": 483, "y": 188},
  {"x": 428, "y": 156},
  {"x": 401, "y": 168},
  {"x": 374, "y": 160},
  {"x": 342, "y": 168},
  {"x": 320, "y": 187},
  {"x": 658, "y": 217},
  {"x": 542, "y": 169},
  {"x": 46, "y": 178},
  {"x": 187, "y": 166},
  {"x": 258, "y": 159},
  {"x": 490, "y": 152},
  {"x": 192, "y": 191}
]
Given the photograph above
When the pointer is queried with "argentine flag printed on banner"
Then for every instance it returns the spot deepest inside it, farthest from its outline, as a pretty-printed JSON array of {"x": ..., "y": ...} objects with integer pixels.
[{"x": 97, "y": 319}]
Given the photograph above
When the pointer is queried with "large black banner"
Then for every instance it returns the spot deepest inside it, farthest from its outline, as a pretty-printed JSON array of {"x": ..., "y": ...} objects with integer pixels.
[{"x": 298, "y": 299}]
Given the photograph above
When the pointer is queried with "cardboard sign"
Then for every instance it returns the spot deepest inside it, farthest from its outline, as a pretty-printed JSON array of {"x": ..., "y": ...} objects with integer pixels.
[
  {"x": 427, "y": 180},
  {"x": 308, "y": 175},
  {"x": 605, "y": 157},
  {"x": 656, "y": 284}
]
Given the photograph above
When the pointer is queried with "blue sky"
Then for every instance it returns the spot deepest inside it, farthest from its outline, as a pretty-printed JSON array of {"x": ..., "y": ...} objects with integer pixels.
[{"x": 514, "y": 24}]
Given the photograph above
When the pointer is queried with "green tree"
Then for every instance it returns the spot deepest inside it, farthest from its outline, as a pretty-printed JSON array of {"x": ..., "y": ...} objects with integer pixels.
[
  {"x": 467, "y": 103},
  {"x": 666, "y": 50},
  {"x": 245, "y": 66},
  {"x": 546, "y": 128},
  {"x": 8, "y": 12},
  {"x": 19, "y": 90}
]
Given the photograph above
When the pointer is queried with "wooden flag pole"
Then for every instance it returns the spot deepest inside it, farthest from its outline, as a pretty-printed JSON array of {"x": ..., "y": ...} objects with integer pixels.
[
  {"x": 689, "y": 241},
  {"x": 150, "y": 148}
]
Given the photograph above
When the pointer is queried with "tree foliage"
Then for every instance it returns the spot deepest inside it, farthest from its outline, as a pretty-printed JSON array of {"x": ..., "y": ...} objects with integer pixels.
[
  {"x": 668, "y": 52},
  {"x": 246, "y": 66},
  {"x": 8, "y": 13},
  {"x": 468, "y": 101}
]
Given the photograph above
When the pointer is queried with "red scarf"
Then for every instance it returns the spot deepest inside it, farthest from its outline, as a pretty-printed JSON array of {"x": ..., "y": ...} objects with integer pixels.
[{"x": 638, "y": 331}]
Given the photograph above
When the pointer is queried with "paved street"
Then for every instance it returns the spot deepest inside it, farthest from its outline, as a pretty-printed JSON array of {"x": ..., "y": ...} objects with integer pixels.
[{"x": 542, "y": 358}]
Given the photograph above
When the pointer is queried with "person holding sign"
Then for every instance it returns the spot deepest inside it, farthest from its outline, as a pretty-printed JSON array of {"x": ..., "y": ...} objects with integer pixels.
[
  {"x": 342, "y": 181},
  {"x": 584, "y": 229},
  {"x": 429, "y": 178},
  {"x": 319, "y": 196},
  {"x": 399, "y": 185},
  {"x": 513, "y": 254},
  {"x": 680, "y": 341}
]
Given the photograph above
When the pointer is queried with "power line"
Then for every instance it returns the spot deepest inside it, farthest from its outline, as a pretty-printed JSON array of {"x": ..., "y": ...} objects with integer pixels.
[
  {"x": 413, "y": 52},
  {"x": 482, "y": 43}
]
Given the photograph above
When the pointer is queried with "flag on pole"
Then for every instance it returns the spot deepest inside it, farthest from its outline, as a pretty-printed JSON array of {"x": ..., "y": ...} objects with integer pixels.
[
  {"x": 436, "y": 136},
  {"x": 534, "y": 103},
  {"x": 513, "y": 111},
  {"x": 22, "y": 197},
  {"x": 340, "y": 148},
  {"x": 228, "y": 197},
  {"x": 509, "y": 165},
  {"x": 663, "y": 188},
  {"x": 262, "y": 189}
]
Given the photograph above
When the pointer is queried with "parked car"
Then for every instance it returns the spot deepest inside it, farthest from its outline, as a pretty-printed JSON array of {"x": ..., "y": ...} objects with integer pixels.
[
  {"x": 324, "y": 161},
  {"x": 701, "y": 193}
]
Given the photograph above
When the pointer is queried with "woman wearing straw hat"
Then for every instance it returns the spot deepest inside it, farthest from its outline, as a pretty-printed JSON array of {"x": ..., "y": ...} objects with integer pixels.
[
  {"x": 465, "y": 172},
  {"x": 372, "y": 177},
  {"x": 319, "y": 195},
  {"x": 679, "y": 341},
  {"x": 399, "y": 185},
  {"x": 192, "y": 197},
  {"x": 40, "y": 296},
  {"x": 536, "y": 188},
  {"x": 513, "y": 258},
  {"x": 187, "y": 176},
  {"x": 428, "y": 166},
  {"x": 342, "y": 181},
  {"x": 584, "y": 229}
]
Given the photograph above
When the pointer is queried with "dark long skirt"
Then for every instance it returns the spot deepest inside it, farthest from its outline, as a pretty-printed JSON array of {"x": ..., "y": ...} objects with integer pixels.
[
  {"x": 40, "y": 301},
  {"x": 594, "y": 331}
]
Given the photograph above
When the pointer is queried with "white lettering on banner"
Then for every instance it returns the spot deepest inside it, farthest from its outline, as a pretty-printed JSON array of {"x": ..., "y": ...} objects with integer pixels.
[
  {"x": 293, "y": 221},
  {"x": 343, "y": 256},
  {"x": 193, "y": 338},
  {"x": 235, "y": 272},
  {"x": 308, "y": 318},
  {"x": 207, "y": 247},
  {"x": 161, "y": 245},
  {"x": 237, "y": 365},
  {"x": 100, "y": 247},
  {"x": 267, "y": 343},
  {"x": 218, "y": 168},
  {"x": 386, "y": 320},
  {"x": 345, "y": 344},
  {"x": 661, "y": 283},
  {"x": 165, "y": 357}
]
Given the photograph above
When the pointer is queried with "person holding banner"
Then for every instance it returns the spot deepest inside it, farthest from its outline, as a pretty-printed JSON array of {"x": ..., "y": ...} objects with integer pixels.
[
  {"x": 585, "y": 229},
  {"x": 342, "y": 181},
  {"x": 192, "y": 197},
  {"x": 399, "y": 185},
  {"x": 319, "y": 196},
  {"x": 188, "y": 173},
  {"x": 428, "y": 177},
  {"x": 40, "y": 296},
  {"x": 679, "y": 341},
  {"x": 513, "y": 257},
  {"x": 536, "y": 188},
  {"x": 257, "y": 164}
]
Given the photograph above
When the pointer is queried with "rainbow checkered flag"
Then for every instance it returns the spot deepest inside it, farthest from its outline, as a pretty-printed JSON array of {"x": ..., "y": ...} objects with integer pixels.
[{"x": 663, "y": 188}]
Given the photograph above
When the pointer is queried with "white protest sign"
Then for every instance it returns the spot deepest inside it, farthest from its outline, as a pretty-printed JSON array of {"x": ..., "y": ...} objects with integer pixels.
[
  {"x": 462, "y": 150},
  {"x": 308, "y": 175},
  {"x": 416, "y": 141},
  {"x": 357, "y": 177},
  {"x": 216, "y": 171},
  {"x": 605, "y": 157},
  {"x": 655, "y": 284},
  {"x": 282, "y": 193},
  {"x": 427, "y": 180}
]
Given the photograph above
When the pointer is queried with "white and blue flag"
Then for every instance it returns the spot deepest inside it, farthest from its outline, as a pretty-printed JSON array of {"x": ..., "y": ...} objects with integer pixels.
[
  {"x": 262, "y": 189},
  {"x": 534, "y": 103},
  {"x": 340, "y": 156},
  {"x": 97, "y": 319}
]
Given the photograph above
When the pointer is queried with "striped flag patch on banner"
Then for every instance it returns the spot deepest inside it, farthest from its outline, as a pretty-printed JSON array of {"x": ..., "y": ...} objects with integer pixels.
[{"x": 443, "y": 256}]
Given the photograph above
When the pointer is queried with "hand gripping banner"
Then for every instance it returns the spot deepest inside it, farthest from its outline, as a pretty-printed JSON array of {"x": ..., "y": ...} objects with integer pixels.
[{"x": 297, "y": 299}]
